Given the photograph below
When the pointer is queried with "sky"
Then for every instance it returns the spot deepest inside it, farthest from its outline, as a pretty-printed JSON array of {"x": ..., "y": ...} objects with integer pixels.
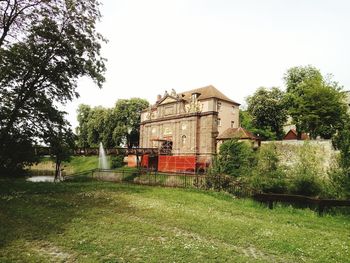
[{"x": 235, "y": 45}]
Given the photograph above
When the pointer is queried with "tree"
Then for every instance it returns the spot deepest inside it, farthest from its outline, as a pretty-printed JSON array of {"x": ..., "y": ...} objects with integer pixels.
[
  {"x": 128, "y": 116},
  {"x": 314, "y": 102},
  {"x": 267, "y": 108},
  {"x": 45, "y": 45},
  {"x": 246, "y": 121},
  {"x": 100, "y": 127},
  {"x": 16, "y": 17},
  {"x": 112, "y": 126},
  {"x": 297, "y": 75},
  {"x": 60, "y": 138},
  {"x": 83, "y": 116}
]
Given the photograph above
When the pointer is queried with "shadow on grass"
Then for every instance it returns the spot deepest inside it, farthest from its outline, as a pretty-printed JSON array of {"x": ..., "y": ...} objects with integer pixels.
[{"x": 36, "y": 211}]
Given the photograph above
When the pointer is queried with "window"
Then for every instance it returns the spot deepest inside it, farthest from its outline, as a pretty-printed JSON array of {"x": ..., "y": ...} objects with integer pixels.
[
  {"x": 233, "y": 109},
  {"x": 183, "y": 140},
  {"x": 195, "y": 96},
  {"x": 232, "y": 124},
  {"x": 218, "y": 106},
  {"x": 219, "y": 122}
]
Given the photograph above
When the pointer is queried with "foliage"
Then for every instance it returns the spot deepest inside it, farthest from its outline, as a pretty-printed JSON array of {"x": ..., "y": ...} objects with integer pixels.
[
  {"x": 128, "y": 115},
  {"x": 44, "y": 47},
  {"x": 113, "y": 127},
  {"x": 19, "y": 156},
  {"x": 95, "y": 125},
  {"x": 100, "y": 125},
  {"x": 340, "y": 174},
  {"x": 235, "y": 158},
  {"x": 339, "y": 185},
  {"x": 341, "y": 141},
  {"x": 267, "y": 108},
  {"x": 83, "y": 116},
  {"x": 315, "y": 103},
  {"x": 298, "y": 75},
  {"x": 246, "y": 121},
  {"x": 60, "y": 139},
  {"x": 307, "y": 172},
  {"x": 117, "y": 161},
  {"x": 269, "y": 176},
  {"x": 215, "y": 180}
]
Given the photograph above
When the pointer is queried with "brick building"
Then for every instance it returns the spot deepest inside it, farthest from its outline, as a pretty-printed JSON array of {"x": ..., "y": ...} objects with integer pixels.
[{"x": 185, "y": 126}]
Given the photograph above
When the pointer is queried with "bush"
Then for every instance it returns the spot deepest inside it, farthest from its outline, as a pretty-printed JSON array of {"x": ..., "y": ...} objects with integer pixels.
[
  {"x": 268, "y": 175},
  {"x": 307, "y": 172},
  {"x": 117, "y": 161},
  {"x": 235, "y": 158},
  {"x": 307, "y": 185},
  {"x": 340, "y": 174},
  {"x": 339, "y": 185}
]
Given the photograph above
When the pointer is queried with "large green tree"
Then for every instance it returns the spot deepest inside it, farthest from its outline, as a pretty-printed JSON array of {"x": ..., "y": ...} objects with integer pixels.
[
  {"x": 45, "y": 46},
  {"x": 114, "y": 127},
  {"x": 315, "y": 103},
  {"x": 128, "y": 115},
  {"x": 267, "y": 108},
  {"x": 83, "y": 115},
  {"x": 246, "y": 121}
]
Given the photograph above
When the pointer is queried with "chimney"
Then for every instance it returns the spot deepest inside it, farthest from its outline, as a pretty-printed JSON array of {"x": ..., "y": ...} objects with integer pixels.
[{"x": 159, "y": 97}]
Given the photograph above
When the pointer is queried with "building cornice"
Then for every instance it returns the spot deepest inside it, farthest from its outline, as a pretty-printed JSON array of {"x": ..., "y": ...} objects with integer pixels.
[{"x": 180, "y": 116}]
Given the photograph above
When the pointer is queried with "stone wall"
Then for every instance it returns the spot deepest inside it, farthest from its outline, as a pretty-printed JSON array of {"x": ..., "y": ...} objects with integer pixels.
[{"x": 288, "y": 151}]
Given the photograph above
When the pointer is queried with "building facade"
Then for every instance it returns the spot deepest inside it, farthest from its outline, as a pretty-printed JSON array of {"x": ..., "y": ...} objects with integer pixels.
[{"x": 188, "y": 123}]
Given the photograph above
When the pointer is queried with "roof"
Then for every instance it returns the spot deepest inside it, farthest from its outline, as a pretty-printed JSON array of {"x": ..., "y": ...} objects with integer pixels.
[
  {"x": 206, "y": 93},
  {"x": 294, "y": 134},
  {"x": 238, "y": 133}
]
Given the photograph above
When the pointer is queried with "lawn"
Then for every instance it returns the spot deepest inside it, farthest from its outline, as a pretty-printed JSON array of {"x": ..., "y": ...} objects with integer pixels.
[
  {"x": 77, "y": 164},
  {"x": 109, "y": 222}
]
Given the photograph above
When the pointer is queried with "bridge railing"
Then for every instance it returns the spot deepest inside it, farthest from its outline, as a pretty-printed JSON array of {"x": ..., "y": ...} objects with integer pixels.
[{"x": 42, "y": 151}]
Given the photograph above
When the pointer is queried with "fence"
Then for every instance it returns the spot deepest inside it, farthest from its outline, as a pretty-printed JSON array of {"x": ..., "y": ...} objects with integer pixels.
[
  {"x": 44, "y": 172},
  {"x": 206, "y": 182},
  {"x": 180, "y": 180}
]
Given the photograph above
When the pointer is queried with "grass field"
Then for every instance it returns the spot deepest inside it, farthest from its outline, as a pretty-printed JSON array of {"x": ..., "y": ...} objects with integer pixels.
[
  {"x": 77, "y": 164},
  {"x": 109, "y": 222}
]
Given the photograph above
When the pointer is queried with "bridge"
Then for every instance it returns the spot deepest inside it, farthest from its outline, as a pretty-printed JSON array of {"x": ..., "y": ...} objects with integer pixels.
[{"x": 42, "y": 151}]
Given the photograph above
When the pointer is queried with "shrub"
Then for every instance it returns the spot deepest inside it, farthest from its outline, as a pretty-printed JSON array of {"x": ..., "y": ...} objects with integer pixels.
[
  {"x": 306, "y": 185},
  {"x": 340, "y": 174},
  {"x": 339, "y": 182},
  {"x": 235, "y": 158},
  {"x": 307, "y": 172},
  {"x": 117, "y": 161},
  {"x": 268, "y": 175}
]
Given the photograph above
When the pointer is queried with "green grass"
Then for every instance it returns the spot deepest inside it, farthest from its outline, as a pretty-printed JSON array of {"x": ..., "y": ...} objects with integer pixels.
[
  {"x": 77, "y": 164},
  {"x": 82, "y": 163},
  {"x": 109, "y": 222}
]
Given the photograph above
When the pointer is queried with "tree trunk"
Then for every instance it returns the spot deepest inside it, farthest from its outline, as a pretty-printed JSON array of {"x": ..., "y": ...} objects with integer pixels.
[{"x": 57, "y": 170}]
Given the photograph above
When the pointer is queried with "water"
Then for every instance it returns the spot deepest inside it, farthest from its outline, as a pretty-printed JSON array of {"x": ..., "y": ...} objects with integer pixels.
[
  {"x": 41, "y": 179},
  {"x": 102, "y": 158}
]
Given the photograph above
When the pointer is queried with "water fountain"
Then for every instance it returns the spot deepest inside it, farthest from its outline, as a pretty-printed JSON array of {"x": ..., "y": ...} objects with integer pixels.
[{"x": 102, "y": 159}]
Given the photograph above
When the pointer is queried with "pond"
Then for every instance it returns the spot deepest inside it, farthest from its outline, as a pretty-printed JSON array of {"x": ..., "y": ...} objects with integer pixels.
[{"x": 46, "y": 178}]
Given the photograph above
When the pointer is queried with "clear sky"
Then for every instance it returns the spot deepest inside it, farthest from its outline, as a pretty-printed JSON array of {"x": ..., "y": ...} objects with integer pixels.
[{"x": 237, "y": 46}]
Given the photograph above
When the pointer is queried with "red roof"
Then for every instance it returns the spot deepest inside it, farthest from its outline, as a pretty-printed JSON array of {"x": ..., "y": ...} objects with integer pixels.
[
  {"x": 237, "y": 133},
  {"x": 293, "y": 135}
]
